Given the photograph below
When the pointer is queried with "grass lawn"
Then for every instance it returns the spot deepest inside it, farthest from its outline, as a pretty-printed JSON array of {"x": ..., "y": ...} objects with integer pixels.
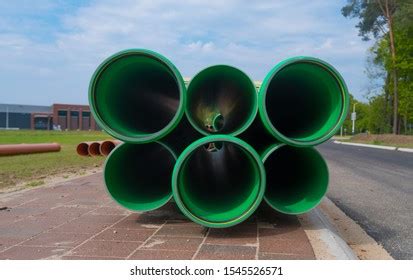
[
  {"x": 402, "y": 141},
  {"x": 34, "y": 168}
]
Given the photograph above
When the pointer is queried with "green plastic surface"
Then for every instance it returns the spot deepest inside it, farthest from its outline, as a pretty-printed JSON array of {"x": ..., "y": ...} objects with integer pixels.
[
  {"x": 297, "y": 178},
  {"x": 218, "y": 181},
  {"x": 221, "y": 99},
  {"x": 138, "y": 176},
  {"x": 137, "y": 96},
  {"x": 303, "y": 101}
]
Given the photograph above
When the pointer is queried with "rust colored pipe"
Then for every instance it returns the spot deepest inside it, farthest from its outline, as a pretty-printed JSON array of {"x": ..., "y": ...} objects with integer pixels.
[
  {"x": 94, "y": 148},
  {"x": 19, "y": 149},
  {"x": 82, "y": 149},
  {"x": 107, "y": 146}
]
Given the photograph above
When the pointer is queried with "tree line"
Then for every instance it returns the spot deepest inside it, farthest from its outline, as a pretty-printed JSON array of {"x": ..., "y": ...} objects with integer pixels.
[{"x": 390, "y": 24}]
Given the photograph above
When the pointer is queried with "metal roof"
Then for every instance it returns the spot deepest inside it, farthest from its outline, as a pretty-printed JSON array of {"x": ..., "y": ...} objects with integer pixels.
[{"x": 16, "y": 108}]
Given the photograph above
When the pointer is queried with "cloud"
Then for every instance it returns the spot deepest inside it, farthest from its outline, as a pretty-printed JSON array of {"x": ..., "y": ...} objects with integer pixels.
[{"x": 57, "y": 57}]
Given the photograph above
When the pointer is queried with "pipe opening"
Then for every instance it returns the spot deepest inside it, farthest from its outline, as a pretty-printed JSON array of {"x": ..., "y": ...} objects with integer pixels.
[
  {"x": 82, "y": 149},
  {"x": 94, "y": 149},
  {"x": 221, "y": 99},
  {"x": 219, "y": 188},
  {"x": 106, "y": 147},
  {"x": 304, "y": 100},
  {"x": 138, "y": 176},
  {"x": 137, "y": 94},
  {"x": 297, "y": 179}
]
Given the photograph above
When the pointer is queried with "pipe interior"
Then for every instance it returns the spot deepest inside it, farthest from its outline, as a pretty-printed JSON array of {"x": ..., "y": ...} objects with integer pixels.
[
  {"x": 94, "y": 149},
  {"x": 304, "y": 101},
  {"x": 221, "y": 99},
  {"x": 219, "y": 181},
  {"x": 137, "y": 95},
  {"x": 82, "y": 149},
  {"x": 138, "y": 176},
  {"x": 106, "y": 147},
  {"x": 297, "y": 179}
]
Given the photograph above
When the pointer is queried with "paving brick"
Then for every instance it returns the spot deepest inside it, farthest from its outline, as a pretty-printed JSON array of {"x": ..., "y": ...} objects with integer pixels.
[
  {"x": 182, "y": 230},
  {"x": 106, "y": 248},
  {"x": 285, "y": 246},
  {"x": 57, "y": 239},
  {"x": 89, "y": 258},
  {"x": 161, "y": 255},
  {"x": 173, "y": 243},
  {"x": 226, "y": 252},
  {"x": 269, "y": 256},
  {"x": 281, "y": 232},
  {"x": 111, "y": 211},
  {"x": 244, "y": 234},
  {"x": 138, "y": 224},
  {"x": 99, "y": 219},
  {"x": 125, "y": 234},
  {"x": 32, "y": 253},
  {"x": 6, "y": 242},
  {"x": 75, "y": 227}
]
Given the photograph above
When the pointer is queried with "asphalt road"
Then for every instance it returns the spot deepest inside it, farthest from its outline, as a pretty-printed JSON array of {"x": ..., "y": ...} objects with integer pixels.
[{"x": 375, "y": 188}]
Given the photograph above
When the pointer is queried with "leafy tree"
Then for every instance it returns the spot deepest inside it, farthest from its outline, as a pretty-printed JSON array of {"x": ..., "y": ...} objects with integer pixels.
[{"x": 377, "y": 19}]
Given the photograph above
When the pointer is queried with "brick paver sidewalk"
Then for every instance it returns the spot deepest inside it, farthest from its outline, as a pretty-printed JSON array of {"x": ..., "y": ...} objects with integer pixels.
[{"x": 78, "y": 220}]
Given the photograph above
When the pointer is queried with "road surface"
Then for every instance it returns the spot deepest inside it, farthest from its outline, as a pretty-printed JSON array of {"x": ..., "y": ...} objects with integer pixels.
[{"x": 375, "y": 188}]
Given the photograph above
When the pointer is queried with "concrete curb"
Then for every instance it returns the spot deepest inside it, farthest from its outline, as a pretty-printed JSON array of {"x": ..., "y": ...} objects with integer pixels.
[
  {"x": 325, "y": 240},
  {"x": 391, "y": 148}
]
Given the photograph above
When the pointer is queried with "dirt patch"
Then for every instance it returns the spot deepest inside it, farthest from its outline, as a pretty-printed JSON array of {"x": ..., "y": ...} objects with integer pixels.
[{"x": 384, "y": 139}]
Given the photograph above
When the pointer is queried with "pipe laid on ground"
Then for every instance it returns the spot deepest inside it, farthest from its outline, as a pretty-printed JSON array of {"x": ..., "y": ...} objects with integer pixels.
[
  {"x": 138, "y": 176},
  {"x": 137, "y": 96},
  {"x": 18, "y": 149},
  {"x": 303, "y": 101},
  {"x": 82, "y": 149},
  {"x": 94, "y": 148},
  {"x": 221, "y": 99},
  {"x": 218, "y": 181},
  {"x": 297, "y": 178},
  {"x": 107, "y": 146}
]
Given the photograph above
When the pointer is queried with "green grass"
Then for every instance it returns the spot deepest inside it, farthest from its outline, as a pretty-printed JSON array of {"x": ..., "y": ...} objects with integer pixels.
[{"x": 34, "y": 168}]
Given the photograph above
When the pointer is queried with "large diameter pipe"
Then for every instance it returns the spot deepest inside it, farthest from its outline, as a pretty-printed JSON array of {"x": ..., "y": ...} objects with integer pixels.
[
  {"x": 218, "y": 181},
  {"x": 18, "y": 149},
  {"x": 82, "y": 149},
  {"x": 221, "y": 99},
  {"x": 137, "y": 96},
  {"x": 107, "y": 146},
  {"x": 297, "y": 178},
  {"x": 138, "y": 176},
  {"x": 303, "y": 101},
  {"x": 94, "y": 148}
]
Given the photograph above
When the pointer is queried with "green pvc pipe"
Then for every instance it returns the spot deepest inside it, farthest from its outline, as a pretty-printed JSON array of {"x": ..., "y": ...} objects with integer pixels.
[
  {"x": 297, "y": 178},
  {"x": 138, "y": 176},
  {"x": 221, "y": 99},
  {"x": 218, "y": 181},
  {"x": 303, "y": 101},
  {"x": 137, "y": 96}
]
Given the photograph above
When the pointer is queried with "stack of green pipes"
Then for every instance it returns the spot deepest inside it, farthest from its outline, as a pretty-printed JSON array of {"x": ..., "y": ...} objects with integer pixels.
[{"x": 216, "y": 146}]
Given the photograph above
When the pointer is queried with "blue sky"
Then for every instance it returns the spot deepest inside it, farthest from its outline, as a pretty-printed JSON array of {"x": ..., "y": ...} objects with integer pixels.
[{"x": 50, "y": 48}]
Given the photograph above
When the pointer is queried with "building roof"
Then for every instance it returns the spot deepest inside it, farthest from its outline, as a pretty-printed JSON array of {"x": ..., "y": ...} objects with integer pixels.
[{"x": 16, "y": 108}]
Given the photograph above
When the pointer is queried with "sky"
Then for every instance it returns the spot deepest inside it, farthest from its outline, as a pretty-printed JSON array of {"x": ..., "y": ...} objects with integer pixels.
[{"x": 49, "y": 49}]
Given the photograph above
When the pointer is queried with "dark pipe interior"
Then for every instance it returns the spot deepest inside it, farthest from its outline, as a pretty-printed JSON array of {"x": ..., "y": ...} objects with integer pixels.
[
  {"x": 94, "y": 149},
  {"x": 137, "y": 95},
  {"x": 219, "y": 184},
  {"x": 106, "y": 147},
  {"x": 138, "y": 176},
  {"x": 304, "y": 101},
  {"x": 221, "y": 99},
  {"x": 297, "y": 179},
  {"x": 82, "y": 149}
]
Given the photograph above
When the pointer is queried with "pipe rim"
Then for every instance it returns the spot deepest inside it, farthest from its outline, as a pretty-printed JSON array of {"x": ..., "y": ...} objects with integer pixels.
[
  {"x": 148, "y": 137},
  {"x": 249, "y": 120},
  {"x": 188, "y": 152},
  {"x": 115, "y": 199},
  {"x": 263, "y": 92},
  {"x": 267, "y": 153}
]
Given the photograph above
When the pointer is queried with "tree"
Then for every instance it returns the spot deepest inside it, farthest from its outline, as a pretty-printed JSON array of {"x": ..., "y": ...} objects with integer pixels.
[{"x": 377, "y": 19}]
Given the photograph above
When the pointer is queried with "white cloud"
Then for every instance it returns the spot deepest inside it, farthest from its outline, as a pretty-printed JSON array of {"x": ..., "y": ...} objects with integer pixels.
[{"x": 193, "y": 34}]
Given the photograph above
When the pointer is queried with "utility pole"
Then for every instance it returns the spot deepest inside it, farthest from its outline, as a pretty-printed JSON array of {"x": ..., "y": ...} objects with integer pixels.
[
  {"x": 353, "y": 118},
  {"x": 7, "y": 117}
]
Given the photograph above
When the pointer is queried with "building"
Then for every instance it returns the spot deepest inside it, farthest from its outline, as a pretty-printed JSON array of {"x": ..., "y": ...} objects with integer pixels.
[{"x": 56, "y": 116}]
